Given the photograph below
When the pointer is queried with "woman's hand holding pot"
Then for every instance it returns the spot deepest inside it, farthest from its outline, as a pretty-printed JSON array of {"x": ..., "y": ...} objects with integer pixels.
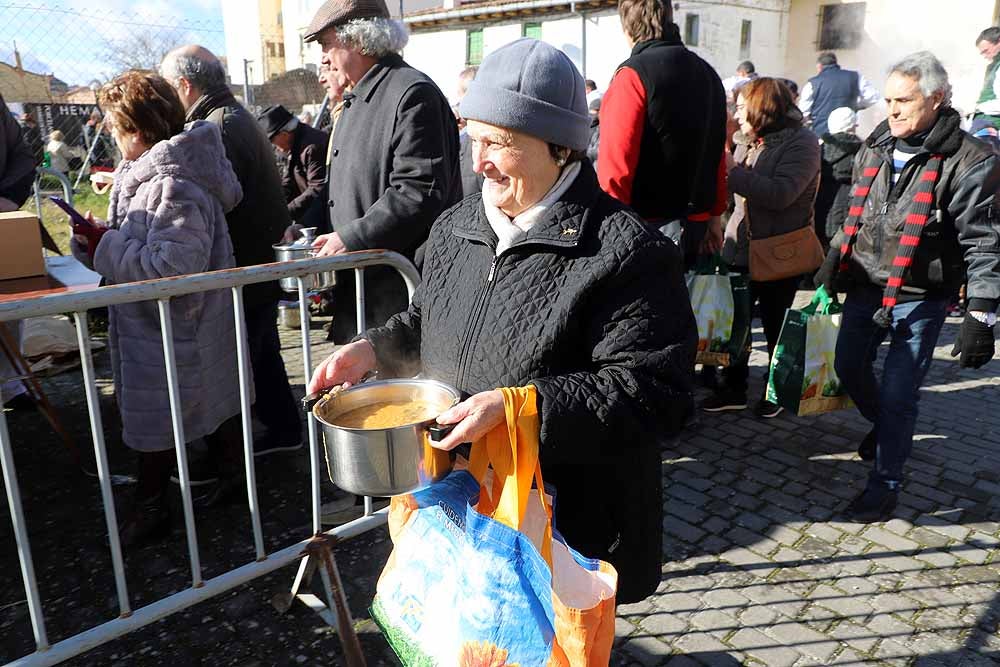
[
  {"x": 345, "y": 367},
  {"x": 473, "y": 418}
]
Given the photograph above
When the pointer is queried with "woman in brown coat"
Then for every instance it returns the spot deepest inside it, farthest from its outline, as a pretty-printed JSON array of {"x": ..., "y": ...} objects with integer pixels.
[{"x": 774, "y": 177}]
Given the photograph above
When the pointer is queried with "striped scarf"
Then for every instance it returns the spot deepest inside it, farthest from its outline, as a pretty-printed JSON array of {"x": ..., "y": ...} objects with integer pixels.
[{"x": 923, "y": 199}]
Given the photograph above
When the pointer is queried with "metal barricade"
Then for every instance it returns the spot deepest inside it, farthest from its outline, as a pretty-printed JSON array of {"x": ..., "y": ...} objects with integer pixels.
[{"x": 314, "y": 551}]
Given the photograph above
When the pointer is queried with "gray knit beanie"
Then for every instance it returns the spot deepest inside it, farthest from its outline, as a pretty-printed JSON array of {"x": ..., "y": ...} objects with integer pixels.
[{"x": 533, "y": 87}]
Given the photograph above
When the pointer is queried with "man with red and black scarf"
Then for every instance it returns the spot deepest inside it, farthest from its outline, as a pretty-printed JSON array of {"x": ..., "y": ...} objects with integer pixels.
[
  {"x": 923, "y": 217},
  {"x": 663, "y": 132}
]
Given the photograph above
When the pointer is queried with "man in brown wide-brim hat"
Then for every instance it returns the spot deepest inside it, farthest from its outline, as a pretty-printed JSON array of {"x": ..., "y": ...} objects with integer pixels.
[{"x": 393, "y": 158}]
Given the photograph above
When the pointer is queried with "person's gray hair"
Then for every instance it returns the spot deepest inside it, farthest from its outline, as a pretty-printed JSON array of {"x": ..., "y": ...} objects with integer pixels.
[
  {"x": 290, "y": 125},
  {"x": 375, "y": 37},
  {"x": 204, "y": 74},
  {"x": 927, "y": 70}
]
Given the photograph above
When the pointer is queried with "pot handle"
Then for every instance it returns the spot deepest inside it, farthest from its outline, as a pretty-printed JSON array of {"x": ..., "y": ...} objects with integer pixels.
[
  {"x": 308, "y": 402},
  {"x": 439, "y": 431}
]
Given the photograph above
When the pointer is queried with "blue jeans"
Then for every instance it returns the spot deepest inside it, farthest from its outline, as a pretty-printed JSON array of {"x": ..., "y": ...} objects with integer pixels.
[{"x": 890, "y": 403}]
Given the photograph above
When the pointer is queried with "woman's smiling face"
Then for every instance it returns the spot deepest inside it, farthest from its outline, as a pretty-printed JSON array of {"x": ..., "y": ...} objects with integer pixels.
[{"x": 519, "y": 168}]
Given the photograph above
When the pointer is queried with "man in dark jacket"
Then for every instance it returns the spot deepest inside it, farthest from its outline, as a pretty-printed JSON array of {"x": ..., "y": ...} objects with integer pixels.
[
  {"x": 256, "y": 223},
  {"x": 923, "y": 217},
  {"x": 304, "y": 174},
  {"x": 663, "y": 129},
  {"x": 393, "y": 157},
  {"x": 17, "y": 165},
  {"x": 839, "y": 146},
  {"x": 832, "y": 88}
]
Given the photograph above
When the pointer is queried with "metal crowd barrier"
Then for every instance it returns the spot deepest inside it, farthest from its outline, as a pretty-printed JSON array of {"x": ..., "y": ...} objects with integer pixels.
[{"x": 316, "y": 548}]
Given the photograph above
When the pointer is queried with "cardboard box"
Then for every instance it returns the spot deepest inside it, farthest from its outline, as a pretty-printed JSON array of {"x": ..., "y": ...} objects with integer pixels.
[{"x": 20, "y": 246}]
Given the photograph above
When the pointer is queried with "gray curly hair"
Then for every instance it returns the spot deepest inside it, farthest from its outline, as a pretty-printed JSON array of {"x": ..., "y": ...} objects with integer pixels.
[
  {"x": 928, "y": 71},
  {"x": 375, "y": 37}
]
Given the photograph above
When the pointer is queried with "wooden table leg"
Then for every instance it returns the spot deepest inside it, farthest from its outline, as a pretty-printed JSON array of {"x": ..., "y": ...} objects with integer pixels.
[{"x": 11, "y": 349}]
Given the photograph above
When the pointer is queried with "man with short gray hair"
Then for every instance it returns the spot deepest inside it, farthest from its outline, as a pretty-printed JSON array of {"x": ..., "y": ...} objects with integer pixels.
[
  {"x": 393, "y": 155},
  {"x": 256, "y": 223},
  {"x": 923, "y": 219}
]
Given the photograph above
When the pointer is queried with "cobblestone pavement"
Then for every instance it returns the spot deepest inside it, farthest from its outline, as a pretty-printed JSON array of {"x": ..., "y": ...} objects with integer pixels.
[{"x": 759, "y": 570}]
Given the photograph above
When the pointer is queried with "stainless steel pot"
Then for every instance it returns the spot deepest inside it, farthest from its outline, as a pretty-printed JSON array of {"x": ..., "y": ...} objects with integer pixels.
[
  {"x": 385, "y": 462},
  {"x": 302, "y": 249}
]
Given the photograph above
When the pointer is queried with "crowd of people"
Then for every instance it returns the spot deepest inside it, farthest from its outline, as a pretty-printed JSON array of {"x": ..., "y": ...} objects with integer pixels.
[{"x": 552, "y": 225}]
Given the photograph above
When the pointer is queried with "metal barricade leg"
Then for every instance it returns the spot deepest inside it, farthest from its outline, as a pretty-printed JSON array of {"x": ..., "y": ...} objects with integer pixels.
[
  {"x": 174, "y": 390},
  {"x": 307, "y": 368},
  {"x": 21, "y": 536},
  {"x": 359, "y": 309},
  {"x": 243, "y": 357},
  {"x": 101, "y": 456}
]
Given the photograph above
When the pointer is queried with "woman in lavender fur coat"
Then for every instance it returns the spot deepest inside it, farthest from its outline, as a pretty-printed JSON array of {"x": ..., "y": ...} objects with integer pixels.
[{"x": 167, "y": 218}]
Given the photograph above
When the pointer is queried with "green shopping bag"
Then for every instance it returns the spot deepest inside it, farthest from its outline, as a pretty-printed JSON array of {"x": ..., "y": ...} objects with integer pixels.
[
  {"x": 802, "y": 378},
  {"x": 721, "y": 305}
]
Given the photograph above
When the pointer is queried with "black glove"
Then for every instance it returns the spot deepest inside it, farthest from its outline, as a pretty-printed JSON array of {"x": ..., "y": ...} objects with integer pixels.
[
  {"x": 828, "y": 270},
  {"x": 975, "y": 343}
]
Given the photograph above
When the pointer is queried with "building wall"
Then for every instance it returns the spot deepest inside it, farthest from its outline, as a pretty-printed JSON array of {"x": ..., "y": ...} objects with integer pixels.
[
  {"x": 272, "y": 38},
  {"x": 20, "y": 86},
  {"x": 439, "y": 55},
  {"x": 720, "y": 28},
  {"x": 893, "y": 29}
]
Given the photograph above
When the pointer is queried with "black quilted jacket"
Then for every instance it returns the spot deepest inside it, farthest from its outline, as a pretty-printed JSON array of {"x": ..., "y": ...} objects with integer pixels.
[{"x": 590, "y": 308}]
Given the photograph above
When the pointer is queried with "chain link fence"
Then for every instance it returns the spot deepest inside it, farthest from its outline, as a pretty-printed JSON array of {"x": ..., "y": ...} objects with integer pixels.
[{"x": 54, "y": 59}]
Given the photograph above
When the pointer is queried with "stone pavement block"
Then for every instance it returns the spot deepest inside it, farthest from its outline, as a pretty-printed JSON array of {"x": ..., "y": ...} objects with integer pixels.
[
  {"x": 784, "y": 535},
  {"x": 698, "y": 643},
  {"x": 942, "y": 621},
  {"x": 894, "y": 603},
  {"x": 855, "y": 635},
  {"x": 898, "y": 526},
  {"x": 901, "y": 564},
  {"x": 887, "y": 625},
  {"x": 853, "y": 545},
  {"x": 977, "y": 556},
  {"x": 715, "y": 544},
  {"x": 696, "y": 584},
  {"x": 777, "y": 598},
  {"x": 817, "y": 548},
  {"x": 640, "y": 608},
  {"x": 892, "y": 649},
  {"x": 759, "y": 543},
  {"x": 844, "y": 605},
  {"x": 681, "y": 604},
  {"x": 825, "y": 532},
  {"x": 938, "y": 559},
  {"x": 623, "y": 628},
  {"x": 715, "y": 524},
  {"x": 753, "y": 521},
  {"x": 686, "y": 494},
  {"x": 930, "y": 595},
  {"x": 647, "y": 650},
  {"x": 856, "y": 585},
  {"x": 725, "y": 599},
  {"x": 665, "y": 627},
  {"x": 883, "y": 538},
  {"x": 752, "y": 562},
  {"x": 682, "y": 510},
  {"x": 673, "y": 525},
  {"x": 977, "y": 574},
  {"x": 794, "y": 581},
  {"x": 761, "y": 647},
  {"x": 928, "y": 538},
  {"x": 714, "y": 621},
  {"x": 757, "y": 616},
  {"x": 804, "y": 639},
  {"x": 787, "y": 557}
]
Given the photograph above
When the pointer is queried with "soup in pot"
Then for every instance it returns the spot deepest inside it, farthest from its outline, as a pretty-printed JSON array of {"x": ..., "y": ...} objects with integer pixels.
[{"x": 388, "y": 414}]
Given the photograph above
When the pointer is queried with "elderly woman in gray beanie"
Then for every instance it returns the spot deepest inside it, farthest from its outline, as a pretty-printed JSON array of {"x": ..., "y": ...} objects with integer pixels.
[{"x": 544, "y": 280}]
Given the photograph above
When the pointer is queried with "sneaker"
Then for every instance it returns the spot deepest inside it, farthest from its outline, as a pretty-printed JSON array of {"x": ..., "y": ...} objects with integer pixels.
[
  {"x": 876, "y": 503},
  {"x": 767, "y": 409},
  {"x": 723, "y": 401},
  {"x": 866, "y": 450},
  {"x": 268, "y": 443}
]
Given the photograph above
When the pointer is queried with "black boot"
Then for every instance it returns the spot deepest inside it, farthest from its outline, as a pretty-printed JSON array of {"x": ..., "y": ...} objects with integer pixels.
[
  {"x": 876, "y": 503},
  {"x": 148, "y": 520},
  {"x": 225, "y": 450},
  {"x": 866, "y": 450}
]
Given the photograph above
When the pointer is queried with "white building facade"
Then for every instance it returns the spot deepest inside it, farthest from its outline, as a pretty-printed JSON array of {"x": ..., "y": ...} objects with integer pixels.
[{"x": 781, "y": 37}]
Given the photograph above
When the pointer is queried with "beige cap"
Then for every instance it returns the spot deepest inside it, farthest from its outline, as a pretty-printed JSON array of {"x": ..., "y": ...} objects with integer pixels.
[{"x": 337, "y": 12}]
